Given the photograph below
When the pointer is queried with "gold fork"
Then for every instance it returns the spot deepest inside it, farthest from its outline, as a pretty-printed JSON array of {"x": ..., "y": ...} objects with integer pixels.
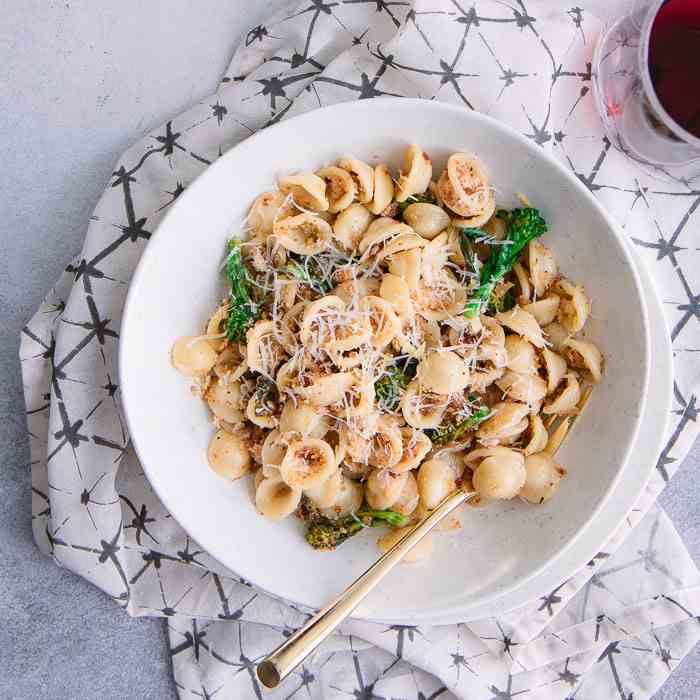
[{"x": 280, "y": 663}]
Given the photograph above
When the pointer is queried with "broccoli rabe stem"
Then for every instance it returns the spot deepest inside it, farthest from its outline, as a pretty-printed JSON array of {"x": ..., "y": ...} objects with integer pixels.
[
  {"x": 522, "y": 226},
  {"x": 242, "y": 310},
  {"x": 326, "y": 533}
]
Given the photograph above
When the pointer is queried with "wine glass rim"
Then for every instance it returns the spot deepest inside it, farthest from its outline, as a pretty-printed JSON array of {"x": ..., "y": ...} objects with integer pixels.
[{"x": 647, "y": 83}]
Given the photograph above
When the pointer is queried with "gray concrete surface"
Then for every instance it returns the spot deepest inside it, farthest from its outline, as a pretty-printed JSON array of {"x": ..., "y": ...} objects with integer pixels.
[{"x": 79, "y": 81}]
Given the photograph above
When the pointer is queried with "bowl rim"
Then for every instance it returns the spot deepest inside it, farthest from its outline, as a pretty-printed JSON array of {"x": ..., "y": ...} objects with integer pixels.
[{"x": 331, "y": 111}]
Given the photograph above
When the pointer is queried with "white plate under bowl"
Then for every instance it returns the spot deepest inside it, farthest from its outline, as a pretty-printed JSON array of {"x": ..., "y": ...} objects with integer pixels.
[
  {"x": 177, "y": 285},
  {"x": 643, "y": 458}
]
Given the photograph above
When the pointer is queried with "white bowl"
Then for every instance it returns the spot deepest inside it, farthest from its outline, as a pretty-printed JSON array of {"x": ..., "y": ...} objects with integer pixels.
[{"x": 177, "y": 285}]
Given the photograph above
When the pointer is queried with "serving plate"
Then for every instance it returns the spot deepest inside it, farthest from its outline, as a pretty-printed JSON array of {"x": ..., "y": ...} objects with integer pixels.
[{"x": 499, "y": 549}]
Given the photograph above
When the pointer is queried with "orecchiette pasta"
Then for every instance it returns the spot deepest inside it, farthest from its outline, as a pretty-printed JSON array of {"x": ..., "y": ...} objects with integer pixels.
[
  {"x": 574, "y": 306},
  {"x": 542, "y": 478},
  {"x": 383, "y": 190},
  {"x": 363, "y": 175},
  {"x": 307, "y": 189},
  {"x": 340, "y": 188},
  {"x": 307, "y": 462},
  {"x": 378, "y": 351},
  {"x": 350, "y": 225},
  {"x": 582, "y": 354},
  {"x": 304, "y": 234},
  {"x": 416, "y": 173},
  {"x": 228, "y": 456},
  {"x": 193, "y": 356}
]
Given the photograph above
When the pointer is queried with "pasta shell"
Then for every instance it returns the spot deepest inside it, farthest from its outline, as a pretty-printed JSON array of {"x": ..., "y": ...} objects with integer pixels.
[
  {"x": 419, "y": 552},
  {"x": 407, "y": 266},
  {"x": 484, "y": 376},
  {"x": 380, "y": 231},
  {"x": 544, "y": 310},
  {"x": 521, "y": 355},
  {"x": 266, "y": 209},
  {"x": 554, "y": 369},
  {"x": 258, "y": 415},
  {"x": 492, "y": 345},
  {"x": 527, "y": 388},
  {"x": 385, "y": 324},
  {"x": 328, "y": 389},
  {"x": 501, "y": 477},
  {"x": 443, "y": 373},
  {"x": 288, "y": 329},
  {"x": 348, "y": 499},
  {"x": 426, "y": 219},
  {"x": 228, "y": 456},
  {"x": 442, "y": 301},
  {"x": 543, "y": 267},
  {"x": 275, "y": 499},
  {"x": 193, "y": 356},
  {"x": 353, "y": 290},
  {"x": 396, "y": 291},
  {"x": 583, "y": 354},
  {"x": 436, "y": 481},
  {"x": 416, "y": 173},
  {"x": 574, "y": 307},
  {"x": 363, "y": 176},
  {"x": 507, "y": 421},
  {"x": 325, "y": 494},
  {"x": 537, "y": 436},
  {"x": 307, "y": 189},
  {"x": 355, "y": 470},
  {"x": 223, "y": 397},
  {"x": 217, "y": 327},
  {"x": 556, "y": 335},
  {"x": 464, "y": 188},
  {"x": 383, "y": 488},
  {"x": 407, "y": 501},
  {"x": 422, "y": 410},
  {"x": 304, "y": 234},
  {"x": 340, "y": 188},
  {"x": 415, "y": 447},
  {"x": 263, "y": 352},
  {"x": 523, "y": 284},
  {"x": 542, "y": 478},
  {"x": 273, "y": 449},
  {"x": 566, "y": 398},
  {"x": 320, "y": 320},
  {"x": 307, "y": 462},
  {"x": 524, "y": 324},
  {"x": 302, "y": 419},
  {"x": 383, "y": 190},
  {"x": 472, "y": 458},
  {"x": 386, "y": 445},
  {"x": 351, "y": 225}
]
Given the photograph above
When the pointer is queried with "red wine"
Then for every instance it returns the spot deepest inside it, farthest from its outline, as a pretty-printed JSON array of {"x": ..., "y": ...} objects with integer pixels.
[{"x": 674, "y": 61}]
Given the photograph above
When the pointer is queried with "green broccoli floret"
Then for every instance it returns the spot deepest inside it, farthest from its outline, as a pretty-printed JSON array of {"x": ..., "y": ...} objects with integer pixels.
[
  {"x": 327, "y": 533},
  {"x": 242, "y": 310},
  {"x": 446, "y": 434},
  {"x": 523, "y": 225}
]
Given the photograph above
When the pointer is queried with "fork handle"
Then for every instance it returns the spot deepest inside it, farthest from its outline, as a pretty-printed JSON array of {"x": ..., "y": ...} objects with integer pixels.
[{"x": 280, "y": 663}]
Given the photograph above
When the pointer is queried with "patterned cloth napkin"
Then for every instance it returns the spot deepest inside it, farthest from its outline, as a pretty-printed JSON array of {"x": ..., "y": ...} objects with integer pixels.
[{"x": 615, "y": 629}]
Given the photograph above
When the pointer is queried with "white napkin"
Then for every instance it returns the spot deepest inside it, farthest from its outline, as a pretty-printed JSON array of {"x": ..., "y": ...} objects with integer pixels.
[{"x": 615, "y": 629}]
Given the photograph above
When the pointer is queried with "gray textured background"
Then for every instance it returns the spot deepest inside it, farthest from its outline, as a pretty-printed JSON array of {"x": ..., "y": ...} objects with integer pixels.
[{"x": 79, "y": 82}]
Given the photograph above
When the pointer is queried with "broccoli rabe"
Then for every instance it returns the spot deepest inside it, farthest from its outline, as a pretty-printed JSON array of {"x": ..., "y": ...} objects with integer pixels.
[
  {"x": 327, "y": 533},
  {"x": 308, "y": 271},
  {"x": 242, "y": 310},
  {"x": 522, "y": 226},
  {"x": 446, "y": 434},
  {"x": 388, "y": 388}
]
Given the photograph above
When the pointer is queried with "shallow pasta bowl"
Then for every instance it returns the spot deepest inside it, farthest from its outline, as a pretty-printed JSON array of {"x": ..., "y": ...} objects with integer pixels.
[{"x": 177, "y": 286}]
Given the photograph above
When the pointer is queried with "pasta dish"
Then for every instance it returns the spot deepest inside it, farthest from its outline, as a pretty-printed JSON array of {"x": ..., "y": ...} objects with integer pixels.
[{"x": 387, "y": 341}]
